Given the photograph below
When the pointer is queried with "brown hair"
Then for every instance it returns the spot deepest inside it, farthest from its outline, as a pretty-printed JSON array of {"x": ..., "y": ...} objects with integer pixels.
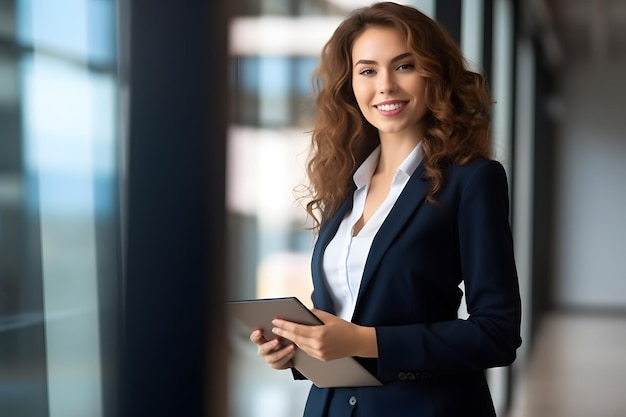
[{"x": 456, "y": 123}]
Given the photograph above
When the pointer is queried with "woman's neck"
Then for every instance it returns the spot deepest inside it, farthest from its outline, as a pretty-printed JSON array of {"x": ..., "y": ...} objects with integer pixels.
[{"x": 392, "y": 153}]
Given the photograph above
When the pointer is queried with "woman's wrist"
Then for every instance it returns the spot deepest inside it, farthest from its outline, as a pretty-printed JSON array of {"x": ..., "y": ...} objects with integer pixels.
[{"x": 366, "y": 346}]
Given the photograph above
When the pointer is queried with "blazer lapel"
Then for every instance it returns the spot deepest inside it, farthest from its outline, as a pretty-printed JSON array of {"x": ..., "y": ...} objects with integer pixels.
[
  {"x": 321, "y": 295},
  {"x": 412, "y": 196}
]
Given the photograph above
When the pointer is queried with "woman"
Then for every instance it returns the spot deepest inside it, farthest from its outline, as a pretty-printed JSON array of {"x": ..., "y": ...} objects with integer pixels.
[{"x": 408, "y": 205}]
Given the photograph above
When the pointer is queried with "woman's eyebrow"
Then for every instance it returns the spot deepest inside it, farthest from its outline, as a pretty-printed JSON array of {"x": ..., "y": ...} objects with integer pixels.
[{"x": 372, "y": 62}]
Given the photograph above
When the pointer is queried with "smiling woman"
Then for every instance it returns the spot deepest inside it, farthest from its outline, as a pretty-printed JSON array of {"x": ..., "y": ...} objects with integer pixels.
[{"x": 407, "y": 205}]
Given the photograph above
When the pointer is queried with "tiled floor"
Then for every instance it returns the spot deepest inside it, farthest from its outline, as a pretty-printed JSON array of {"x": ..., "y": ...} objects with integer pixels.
[{"x": 577, "y": 369}]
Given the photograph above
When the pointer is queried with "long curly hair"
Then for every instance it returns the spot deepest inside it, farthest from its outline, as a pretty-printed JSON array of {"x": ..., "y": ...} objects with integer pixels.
[{"x": 456, "y": 122}]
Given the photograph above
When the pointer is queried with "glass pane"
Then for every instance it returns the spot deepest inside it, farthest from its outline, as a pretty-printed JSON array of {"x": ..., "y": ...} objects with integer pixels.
[{"x": 59, "y": 207}]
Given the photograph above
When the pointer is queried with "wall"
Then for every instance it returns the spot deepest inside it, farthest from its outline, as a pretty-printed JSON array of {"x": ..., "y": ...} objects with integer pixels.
[{"x": 590, "y": 222}]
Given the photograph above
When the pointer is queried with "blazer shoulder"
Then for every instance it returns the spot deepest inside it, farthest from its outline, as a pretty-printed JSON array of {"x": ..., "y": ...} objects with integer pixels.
[
  {"x": 479, "y": 163},
  {"x": 477, "y": 167},
  {"x": 481, "y": 175}
]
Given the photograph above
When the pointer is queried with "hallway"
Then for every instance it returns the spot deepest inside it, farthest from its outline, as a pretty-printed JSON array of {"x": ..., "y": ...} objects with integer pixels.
[{"x": 577, "y": 369}]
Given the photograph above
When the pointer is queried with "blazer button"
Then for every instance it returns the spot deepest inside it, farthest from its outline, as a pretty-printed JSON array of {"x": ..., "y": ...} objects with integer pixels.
[
  {"x": 352, "y": 401},
  {"x": 402, "y": 376}
]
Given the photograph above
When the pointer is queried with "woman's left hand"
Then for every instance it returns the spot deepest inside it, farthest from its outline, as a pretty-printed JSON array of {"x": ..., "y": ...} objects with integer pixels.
[{"x": 335, "y": 339}]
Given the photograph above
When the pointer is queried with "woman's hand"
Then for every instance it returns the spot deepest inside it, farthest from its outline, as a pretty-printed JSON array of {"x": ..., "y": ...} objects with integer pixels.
[
  {"x": 336, "y": 339},
  {"x": 275, "y": 355}
]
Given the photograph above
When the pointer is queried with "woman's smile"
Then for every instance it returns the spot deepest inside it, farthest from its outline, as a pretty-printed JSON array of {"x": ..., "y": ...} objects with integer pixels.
[{"x": 391, "y": 108}]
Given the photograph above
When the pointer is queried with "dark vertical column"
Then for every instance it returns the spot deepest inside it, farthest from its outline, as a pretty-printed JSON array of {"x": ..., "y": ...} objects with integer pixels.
[
  {"x": 175, "y": 236},
  {"x": 448, "y": 14},
  {"x": 517, "y": 17},
  {"x": 543, "y": 186},
  {"x": 512, "y": 50},
  {"x": 487, "y": 59}
]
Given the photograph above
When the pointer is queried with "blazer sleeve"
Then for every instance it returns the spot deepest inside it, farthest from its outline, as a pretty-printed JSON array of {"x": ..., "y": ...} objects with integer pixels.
[{"x": 491, "y": 334}]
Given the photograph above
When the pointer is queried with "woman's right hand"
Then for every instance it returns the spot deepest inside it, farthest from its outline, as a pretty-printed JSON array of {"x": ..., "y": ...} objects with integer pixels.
[{"x": 271, "y": 351}]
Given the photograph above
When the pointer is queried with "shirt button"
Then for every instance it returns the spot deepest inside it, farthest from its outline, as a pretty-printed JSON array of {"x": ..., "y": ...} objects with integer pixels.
[{"x": 352, "y": 400}]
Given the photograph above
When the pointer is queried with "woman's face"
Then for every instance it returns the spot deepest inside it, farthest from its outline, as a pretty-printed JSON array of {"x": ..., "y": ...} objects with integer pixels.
[{"x": 388, "y": 88}]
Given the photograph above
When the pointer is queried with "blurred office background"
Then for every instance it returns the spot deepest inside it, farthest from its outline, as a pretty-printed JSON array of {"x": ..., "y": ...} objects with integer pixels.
[{"x": 149, "y": 156}]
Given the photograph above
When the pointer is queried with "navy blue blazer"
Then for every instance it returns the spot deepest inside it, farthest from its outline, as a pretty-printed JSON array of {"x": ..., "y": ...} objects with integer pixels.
[{"x": 432, "y": 363}]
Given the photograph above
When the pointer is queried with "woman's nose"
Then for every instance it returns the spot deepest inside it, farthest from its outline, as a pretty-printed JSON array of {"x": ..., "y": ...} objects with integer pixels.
[{"x": 387, "y": 82}]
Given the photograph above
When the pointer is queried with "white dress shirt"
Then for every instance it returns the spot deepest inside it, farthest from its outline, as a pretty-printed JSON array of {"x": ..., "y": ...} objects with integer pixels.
[{"x": 346, "y": 254}]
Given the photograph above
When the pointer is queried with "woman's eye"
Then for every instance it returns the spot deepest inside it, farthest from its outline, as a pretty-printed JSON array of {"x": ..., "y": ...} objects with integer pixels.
[
  {"x": 405, "y": 67},
  {"x": 367, "y": 72}
]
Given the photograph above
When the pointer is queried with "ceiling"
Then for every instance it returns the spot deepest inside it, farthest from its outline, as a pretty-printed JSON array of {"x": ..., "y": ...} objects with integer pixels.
[{"x": 586, "y": 29}]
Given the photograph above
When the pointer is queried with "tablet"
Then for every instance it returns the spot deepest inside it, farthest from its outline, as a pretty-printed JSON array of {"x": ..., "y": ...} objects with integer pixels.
[{"x": 258, "y": 314}]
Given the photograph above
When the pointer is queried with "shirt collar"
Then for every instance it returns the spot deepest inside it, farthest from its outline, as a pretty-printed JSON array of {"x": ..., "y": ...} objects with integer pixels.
[
  {"x": 410, "y": 164},
  {"x": 363, "y": 174}
]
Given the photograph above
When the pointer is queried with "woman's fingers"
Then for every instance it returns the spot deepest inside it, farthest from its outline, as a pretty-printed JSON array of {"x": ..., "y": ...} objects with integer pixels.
[
  {"x": 332, "y": 340},
  {"x": 281, "y": 358},
  {"x": 257, "y": 338},
  {"x": 275, "y": 355},
  {"x": 268, "y": 348}
]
